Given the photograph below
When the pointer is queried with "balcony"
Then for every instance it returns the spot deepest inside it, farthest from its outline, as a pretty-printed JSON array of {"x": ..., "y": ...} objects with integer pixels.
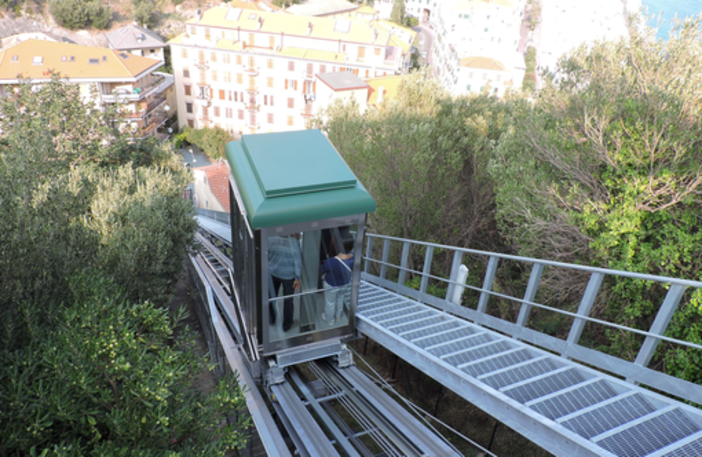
[
  {"x": 202, "y": 65},
  {"x": 252, "y": 89},
  {"x": 134, "y": 94},
  {"x": 251, "y": 71},
  {"x": 203, "y": 101},
  {"x": 252, "y": 107}
]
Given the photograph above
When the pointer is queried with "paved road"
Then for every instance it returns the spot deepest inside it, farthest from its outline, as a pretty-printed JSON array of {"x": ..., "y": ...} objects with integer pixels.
[{"x": 425, "y": 37}]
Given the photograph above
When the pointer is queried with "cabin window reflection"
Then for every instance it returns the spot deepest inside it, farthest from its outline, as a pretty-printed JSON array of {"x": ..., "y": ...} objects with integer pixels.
[{"x": 311, "y": 274}]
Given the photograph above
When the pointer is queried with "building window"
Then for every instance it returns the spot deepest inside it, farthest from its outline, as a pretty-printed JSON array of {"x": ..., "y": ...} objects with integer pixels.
[
  {"x": 271, "y": 99},
  {"x": 291, "y": 102},
  {"x": 265, "y": 100},
  {"x": 271, "y": 42},
  {"x": 193, "y": 30},
  {"x": 252, "y": 39},
  {"x": 184, "y": 53},
  {"x": 270, "y": 118},
  {"x": 216, "y": 111},
  {"x": 269, "y": 81},
  {"x": 377, "y": 51},
  {"x": 186, "y": 88},
  {"x": 204, "y": 112},
  {"x": 291, "y": 66},
  {"x": 290, "y": 121},
  {"x": 222, "y": 95},
  {"x": 189, "y": 108},
  {"x": 213, "y": 56},
  {"x": 191, "y": 123},
  {"x": 468, "y": 87},
  {"x": 207, "y": 33},
  {"x": 252, "y": 62},
  {"x": 214, "y": 75},
  {"x": 239, "y": 78},
  {"x": 322, "y": 68},
  {"x": 186, "y": 72},
  {"x": 270, "y": 63},
  {"x": 229, "y": 112},
  {"x": 236, "y": 96},
  {"x": 310, "y": 68},
  {"x": 361, "y": 53},
  {"x": 201, "y": 56},
  {"x": 241, "y": 114},
  {"x": 238, "y": 60},
  {"x": 227, "y": 76},
  {"x": 227, "y": 57}
]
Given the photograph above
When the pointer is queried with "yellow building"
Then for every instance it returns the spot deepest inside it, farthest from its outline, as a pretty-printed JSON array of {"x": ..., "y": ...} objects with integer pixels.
[
  {"x": 254, "y": 71},
  {"x": 104, "y": 76}
]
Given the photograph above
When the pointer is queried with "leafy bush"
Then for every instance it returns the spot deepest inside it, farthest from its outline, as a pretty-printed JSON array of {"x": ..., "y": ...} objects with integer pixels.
[
  {"x": 79, "y": 14},
  {"x": 143, "y": 12},
  {"x": 211, "y": 140},
  {"x": 106, "y": 376}
]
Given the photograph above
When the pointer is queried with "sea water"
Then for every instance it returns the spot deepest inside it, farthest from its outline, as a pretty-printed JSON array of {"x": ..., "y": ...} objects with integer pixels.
[{"x": 668, "y": 10}]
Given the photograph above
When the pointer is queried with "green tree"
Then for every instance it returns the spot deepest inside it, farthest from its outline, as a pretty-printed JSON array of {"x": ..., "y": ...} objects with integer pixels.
[
  {"x": 143, "y": 12},
  {"x": 212, "y": 140},
  {"x": 89, "y": 364},
  {"x": 104, "y": 376},
  {"x": 398, "y": 12},
  {"x": 79, "y": 14},
  {"x": 605, "y": 169},
  {"x": 422, "y": 155}
]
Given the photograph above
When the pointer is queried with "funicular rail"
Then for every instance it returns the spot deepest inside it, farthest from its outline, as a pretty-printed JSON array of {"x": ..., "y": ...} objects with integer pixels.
[
  {"x": 308, "y": 408},
  {"x": 533, "y": 382}
]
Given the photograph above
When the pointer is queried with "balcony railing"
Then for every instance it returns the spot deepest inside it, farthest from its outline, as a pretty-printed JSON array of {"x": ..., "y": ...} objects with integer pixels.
[
  {"x": 252, "y": 89},
  {"x": 252, "y": 107},
  {"x": 133, "y": 95}
]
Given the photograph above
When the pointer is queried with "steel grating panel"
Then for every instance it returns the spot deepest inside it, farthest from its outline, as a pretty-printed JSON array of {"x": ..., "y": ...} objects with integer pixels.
[
  {"x": 445, "y": 337},
  {"x": 609, "y": 416},
  {"x": 648, "y": 436},
  {"x": 521, "y": 373},
  {"x": 406, "y": 318},
  {"x": 575, "y": 400},
  {"x": 433, "y": 330},
  {"x": 544, "y": 386},
  {"x": 498, "y": 363},
  {"x": 452, "y": 347},
  {"x": 388, "y": 306},
  {"x": 479, "y": 353},
  {"x": 365, "y": 300},
  {"x": 386, "y": 315},
  {"x": 693, "y": 449},
  {"x": 433, "y": 319}
]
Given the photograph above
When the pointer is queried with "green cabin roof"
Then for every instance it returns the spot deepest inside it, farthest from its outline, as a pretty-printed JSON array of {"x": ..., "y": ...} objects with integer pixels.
[{"x": 290, "y": 177}]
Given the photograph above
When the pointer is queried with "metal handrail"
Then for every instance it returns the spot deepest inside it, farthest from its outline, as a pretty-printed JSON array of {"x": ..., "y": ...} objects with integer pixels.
[{"x": 676, "y": 289}]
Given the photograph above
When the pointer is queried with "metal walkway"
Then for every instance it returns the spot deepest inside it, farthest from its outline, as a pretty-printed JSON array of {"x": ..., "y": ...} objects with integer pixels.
[{"x": 561, "y": 405}]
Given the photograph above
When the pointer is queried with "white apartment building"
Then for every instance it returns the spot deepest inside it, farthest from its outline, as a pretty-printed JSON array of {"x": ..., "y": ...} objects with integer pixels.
[
  {"x": 253, "y": 71},
  {"x": 476, "y": 45}
]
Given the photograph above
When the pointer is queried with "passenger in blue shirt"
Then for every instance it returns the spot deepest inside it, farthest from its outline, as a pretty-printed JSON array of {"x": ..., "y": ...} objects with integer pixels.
[
  {"x": 337, "y": 273},
  {"x": 284, "y": 265}
]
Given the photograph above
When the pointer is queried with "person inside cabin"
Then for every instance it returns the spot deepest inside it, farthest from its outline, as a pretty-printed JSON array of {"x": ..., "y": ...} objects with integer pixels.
[
  {"x": 337, "y": 272},
  {"x": 284, "y": 265}
]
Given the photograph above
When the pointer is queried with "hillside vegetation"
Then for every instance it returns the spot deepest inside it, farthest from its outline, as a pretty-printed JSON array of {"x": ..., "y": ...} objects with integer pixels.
[{"x": 602, "y": 167}]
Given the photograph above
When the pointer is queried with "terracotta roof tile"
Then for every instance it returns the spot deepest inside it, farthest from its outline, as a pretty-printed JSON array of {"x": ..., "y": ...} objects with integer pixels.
[{"x": 217, "y": 179}]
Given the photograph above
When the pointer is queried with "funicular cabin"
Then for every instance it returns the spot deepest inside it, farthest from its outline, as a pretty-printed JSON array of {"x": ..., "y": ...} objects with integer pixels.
[{"x": 297, "y": 215}]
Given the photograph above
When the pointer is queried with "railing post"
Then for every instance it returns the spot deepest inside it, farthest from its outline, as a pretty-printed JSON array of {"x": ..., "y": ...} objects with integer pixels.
[
  {"x": 426, "y": 271},
  {"x": 530, "y": 293},
  {"x": 670, "y": 304},
  {"x": 403, "y": 263},
  {"x": 369, "y": 253},
  {"x": 586, "y": 303},
  {"x": 455, "y": 268},
  {"x": 487, "y": 284},
  {"x": 386, "y": 254}
]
